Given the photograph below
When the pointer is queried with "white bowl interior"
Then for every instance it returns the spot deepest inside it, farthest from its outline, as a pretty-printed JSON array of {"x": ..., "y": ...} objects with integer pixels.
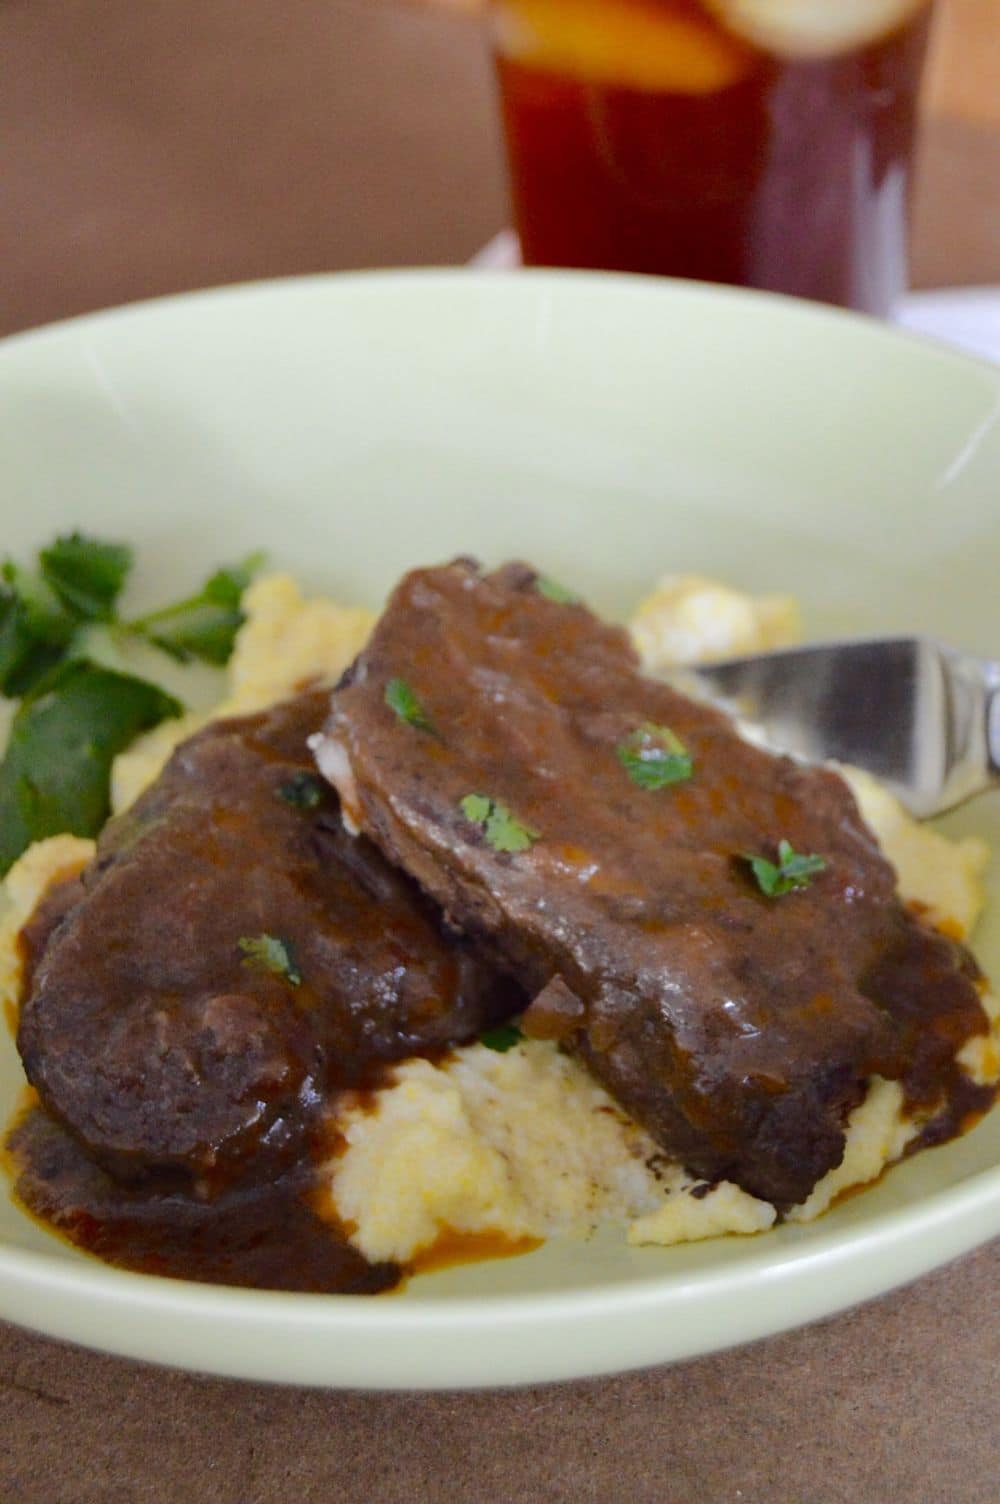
[{"x": 608, "y": 429}]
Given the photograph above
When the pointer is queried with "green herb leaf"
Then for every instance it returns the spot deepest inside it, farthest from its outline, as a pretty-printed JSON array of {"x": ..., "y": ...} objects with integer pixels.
[
  {"x": 44, "y": 614},
  {"x": 502, "y": 830},
  {"x": 63, "y": 650},
  {"x": 505, "y": 833},
  {"x": 109, "y": 645},
  {"x": 553, "y": 591},
  {"x": 24, "y": 657},
  {"x": 654, "y": 757},
  {"x": 40, "y": 609},
  {"x": 503, "y": 1038},
  {"x": 226, "y": 586},
  {"x": 197, "y": 631},
  {"x": 205, "y": 625},
  {"x": 34, "y": 629},
  {"x": 792, "y": 870},
  {"x": 54, "y": 774},
  {"x": 476, "y": 807},
  {"x": 86, "y": 574},
  {"x": 400, "y": 698},
  {"x": 303, "y": 791},
  {"x": 269, "y": 953}
]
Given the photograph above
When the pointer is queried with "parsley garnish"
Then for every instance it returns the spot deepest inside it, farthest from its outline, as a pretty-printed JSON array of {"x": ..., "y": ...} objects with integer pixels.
[
  {"x": 400, "y": 698},
  {"x": 553, "y": 591},
  {"x": 35, "y": 629},
  {"x": 654, "y": 757},
  {"x": 268, "y": 953},
  {"x": 86, "y": 573},
  {"x": 503, "y": 1038},
  {"x": 303, "y": 791},
  {"x": 205, "y": 625},
  {"x": 85, "y": 691},
  {"x": 56, "y": 770},
  {"x": 502, "y": 830},
  {"x": 791, "y": 870}
]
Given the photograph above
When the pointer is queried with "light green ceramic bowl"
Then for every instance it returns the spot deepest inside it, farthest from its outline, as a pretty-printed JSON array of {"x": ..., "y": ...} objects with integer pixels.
[{"x": 608, "y": 429}]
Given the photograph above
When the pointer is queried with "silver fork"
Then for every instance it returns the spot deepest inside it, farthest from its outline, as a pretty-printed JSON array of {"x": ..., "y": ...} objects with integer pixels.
[{"x": 920, "y": 716}]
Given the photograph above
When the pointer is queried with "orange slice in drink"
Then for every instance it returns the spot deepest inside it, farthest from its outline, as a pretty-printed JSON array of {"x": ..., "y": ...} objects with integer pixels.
[
  {"x": 813, "y": 28},
  {"x": 669, "y": 46}
]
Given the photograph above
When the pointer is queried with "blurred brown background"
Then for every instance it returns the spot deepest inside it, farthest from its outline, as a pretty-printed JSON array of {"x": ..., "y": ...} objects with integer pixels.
[{"x": 153, "y": 145}]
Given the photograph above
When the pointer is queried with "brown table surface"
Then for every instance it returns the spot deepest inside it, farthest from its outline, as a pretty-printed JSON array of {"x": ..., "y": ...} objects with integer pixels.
[{"x": 169, "y": 144}]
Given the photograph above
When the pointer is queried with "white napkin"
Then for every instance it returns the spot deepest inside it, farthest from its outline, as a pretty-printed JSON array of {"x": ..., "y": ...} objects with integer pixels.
[{"x": 968, "y": 317}]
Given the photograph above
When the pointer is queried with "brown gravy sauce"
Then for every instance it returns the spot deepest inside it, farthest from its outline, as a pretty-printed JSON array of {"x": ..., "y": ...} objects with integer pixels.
[
  {"x": 452, "y": 1248},
  {"x": 282, "y": 1234},
  {"x": 266, "y": 1236},
  {"x": 276, "y": 1235}
]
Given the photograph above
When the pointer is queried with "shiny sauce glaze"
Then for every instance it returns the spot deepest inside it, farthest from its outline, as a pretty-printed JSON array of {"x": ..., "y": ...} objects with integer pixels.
[
  {"x": 267, "y": 1234},
  {"x": 274, "y": 1226},
  {"x": 185, "y": 1083},
  {"x": 235, "y": 956},
  {"x": 738, "y": 1027}
]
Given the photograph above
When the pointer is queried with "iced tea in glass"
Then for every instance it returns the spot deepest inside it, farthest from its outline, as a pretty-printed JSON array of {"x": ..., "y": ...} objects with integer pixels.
[{"x": 765, "y": 143}]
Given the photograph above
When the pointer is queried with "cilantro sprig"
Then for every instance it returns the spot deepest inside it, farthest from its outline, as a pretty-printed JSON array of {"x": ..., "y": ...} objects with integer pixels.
[
  {"x": 403, "y": 701},
  {"x": 270, "y": 953},
  {"x": 205, "y": 625},
  {"x": 55, "y": 773},
  {"x": 64, "y": 654},
  {"x": 501, "y": 1038},
  {"x": 86, "y": 574},
  {"x": 35, "y": 629},
  {"x": 792, "y": 871},
  {"x": 554, "y": 591},
  {"x": 654, "y": 757},
  {"x": 503, "y": 831}
]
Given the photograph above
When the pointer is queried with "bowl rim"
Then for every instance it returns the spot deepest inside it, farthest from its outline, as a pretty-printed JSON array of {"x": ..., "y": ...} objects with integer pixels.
[{"x": 962, "y": 1214}]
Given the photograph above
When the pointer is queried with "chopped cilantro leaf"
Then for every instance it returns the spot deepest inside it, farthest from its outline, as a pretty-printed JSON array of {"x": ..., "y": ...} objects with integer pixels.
[
  {"x": 199, "y": 630},
  {"x": 111, "y": 646},
  {"x": 67, "y": 656},
  {"x": 476, "y": 807},
  {"x": 400, "y": 698},
  {"x": 44, "y": 614},
  {"x": 269, "y": 953},
  {"x": 205, "y": 625},
  {"x": 226, "y": 586},
  {"x": 76, "y": 582},
  {"x": 24, "y": 657},
  {"x": 86, "y": 574},
  {"x": 654, "y": 757},
  {"x": 55, "y": 772},
  {"x": 792, "y": 870},
  {"x": 34, "y": 629},
  {"x": 502, "y": 830},
  {"x": 303, "y": 791},
  {"x": 553, "y": 591},
  {"x": 503, "y": 1038}
]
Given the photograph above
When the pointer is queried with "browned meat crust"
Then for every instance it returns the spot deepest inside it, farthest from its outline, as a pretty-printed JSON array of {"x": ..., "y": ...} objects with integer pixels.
[
  {"x": 161, "y": 1041},
  {"x": 739, "y": 1028}
]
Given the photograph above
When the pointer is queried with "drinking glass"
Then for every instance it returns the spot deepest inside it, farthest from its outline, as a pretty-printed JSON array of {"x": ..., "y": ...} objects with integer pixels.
[{"x": 766, "y": 143}]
